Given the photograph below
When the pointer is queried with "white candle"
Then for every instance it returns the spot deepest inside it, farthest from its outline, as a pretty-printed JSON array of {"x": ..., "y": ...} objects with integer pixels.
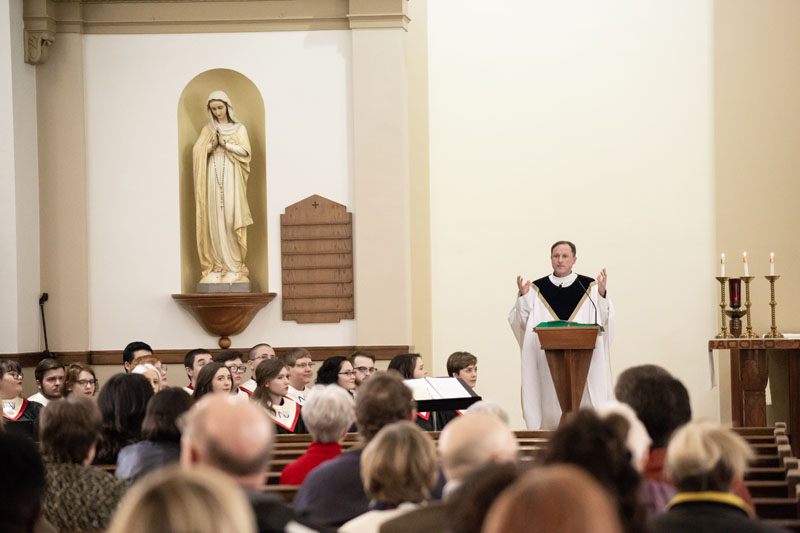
[
  {"x": 772, "y": 263},
  {"x": 746, "y": 269},
  {"x": 722, "y": 266}
]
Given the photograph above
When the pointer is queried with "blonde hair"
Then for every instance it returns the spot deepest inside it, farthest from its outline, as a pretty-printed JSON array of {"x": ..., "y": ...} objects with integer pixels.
[
  {"x": 147, "y": 367},
  {"x": 198, "y": 500},
  {"x": 702, "y": 456},
  {"x": 399, "y": 465}
]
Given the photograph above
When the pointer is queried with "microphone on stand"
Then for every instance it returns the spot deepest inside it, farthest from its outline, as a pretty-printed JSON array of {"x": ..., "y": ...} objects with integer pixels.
[{"x": 578, "y": 279}]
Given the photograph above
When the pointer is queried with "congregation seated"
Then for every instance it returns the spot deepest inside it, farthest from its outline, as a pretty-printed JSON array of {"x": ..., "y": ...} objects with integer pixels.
[
  {"x": 703, "y": 459},
  {"x": 77, "y": 497},
  {"x": 364, "y": 364},
  {"x": 410, "y": 366},
  {"x": 472, "y": 442},
  {"x": 469, "y": 503},
  {"x": 301, "y": 370},
  {"x": 598, "y": 445},
  {"x": 49, "y": 377},
  {"x": 161, "y": 438},
  {"x": 122, "y": 403},
  {"x": 193, "y": 362},
  {"x": 156, "y": 362},
  {"x": 461, "y": 365},
  {"x": 198, "y": 500},
  {"x": 23, "y": 486},
  {"x": 465, "y": 445},
  {"x": 235, "y": 437},
  {"x": 399, "y": 472},
  {"x": 133, "y": 351},
  {"x": 488, "y": 407},
  {"x": 328, "y": 413},
  {"x": 233, "y": 360},
  {"x": 255, "y": 355},
  {"x": 661, "y": 402},
  {"x": 562, "y": 498},
  {"x": 213, "y": 378},
  {"x": 80, "y": 380},
  {"x": 15, "y": 407},
  {"x": 151, "y": 373},
  {"x": 654, "y": 495},
  {"x": 272, "y": 385},
  {"x": 381, "y": 485},
  {"x": 333, "y": 492},
  {"x": 337, "y": 371}
]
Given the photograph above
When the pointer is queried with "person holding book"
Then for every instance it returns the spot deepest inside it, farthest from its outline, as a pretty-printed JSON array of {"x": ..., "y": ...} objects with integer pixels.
[
  {"x": 410, "y": 366},
  {"x": 567, "y": 296}
]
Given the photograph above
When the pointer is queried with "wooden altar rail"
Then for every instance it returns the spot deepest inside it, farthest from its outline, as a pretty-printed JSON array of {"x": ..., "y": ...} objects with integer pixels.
[{"x": 114, "y": 357}]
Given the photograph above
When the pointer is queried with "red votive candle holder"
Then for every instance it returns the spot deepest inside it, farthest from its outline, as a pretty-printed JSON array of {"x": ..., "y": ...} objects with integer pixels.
[{"x": 735, "y": 287}]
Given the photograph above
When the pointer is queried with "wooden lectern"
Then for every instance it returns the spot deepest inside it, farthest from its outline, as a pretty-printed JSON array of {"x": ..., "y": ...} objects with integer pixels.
[{"x": 569, "y": 354}]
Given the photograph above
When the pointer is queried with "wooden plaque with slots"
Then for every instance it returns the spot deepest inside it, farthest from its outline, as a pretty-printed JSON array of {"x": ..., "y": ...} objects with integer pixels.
[{"x": 317, "y": 261}]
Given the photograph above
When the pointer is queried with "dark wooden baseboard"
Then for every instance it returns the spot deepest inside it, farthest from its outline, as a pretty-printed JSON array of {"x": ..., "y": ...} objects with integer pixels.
[{"x": 114, "y": 357}]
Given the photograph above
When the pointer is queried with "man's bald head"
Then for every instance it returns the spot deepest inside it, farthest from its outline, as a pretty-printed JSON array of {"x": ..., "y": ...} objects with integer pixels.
[
  {"x": 475, "y": 440},
  {"x": 229, "y": 434}
]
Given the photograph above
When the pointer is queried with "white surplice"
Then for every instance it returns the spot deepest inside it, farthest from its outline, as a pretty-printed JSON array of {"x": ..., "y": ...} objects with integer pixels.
[
  {"x": 298, "y": 396},
  {"x": 539, "y": 401}
]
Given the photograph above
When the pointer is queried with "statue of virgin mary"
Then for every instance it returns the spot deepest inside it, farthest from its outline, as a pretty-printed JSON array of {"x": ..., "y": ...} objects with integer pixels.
[{"x": 221, "y": 164}]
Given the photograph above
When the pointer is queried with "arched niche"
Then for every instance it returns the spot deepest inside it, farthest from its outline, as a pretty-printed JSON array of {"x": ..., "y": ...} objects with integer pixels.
[{"x": 192, "y": 116}]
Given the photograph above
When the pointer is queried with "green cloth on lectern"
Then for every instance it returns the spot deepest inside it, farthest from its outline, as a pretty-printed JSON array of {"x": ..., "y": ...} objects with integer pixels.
[
  {"x": 566, "y": 324},
  {"x": 563, "y": 324}
]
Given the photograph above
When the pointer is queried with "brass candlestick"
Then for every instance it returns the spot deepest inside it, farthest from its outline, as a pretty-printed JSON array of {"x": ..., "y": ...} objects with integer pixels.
[
  {"x": 747, "y": 280},
  {"x": 773, "y": 331},
  {"x": 723, "y": 333}
]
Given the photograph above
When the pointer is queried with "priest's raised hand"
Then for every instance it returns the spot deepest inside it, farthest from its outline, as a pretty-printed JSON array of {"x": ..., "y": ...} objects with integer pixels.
[
  {"x": 523, "y": 287},
  {"x": 602, "y": 279}
]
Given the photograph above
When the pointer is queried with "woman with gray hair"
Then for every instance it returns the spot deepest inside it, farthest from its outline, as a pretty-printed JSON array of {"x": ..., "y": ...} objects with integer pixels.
[
  {"x": 703, "y": 459},
  {"x": 328, "y": 412}
]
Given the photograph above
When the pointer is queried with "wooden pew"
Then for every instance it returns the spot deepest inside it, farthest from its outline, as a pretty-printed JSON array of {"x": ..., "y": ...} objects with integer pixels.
[
  {"x": 772, "y": 477},
  {"x": 287, "y": 492}
]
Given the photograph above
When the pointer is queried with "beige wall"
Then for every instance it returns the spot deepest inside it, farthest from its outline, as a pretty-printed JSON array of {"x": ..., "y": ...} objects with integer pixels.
[
  {"x": 419, "y": 158},
  {"x": 19, "y": 203},
  {"x": 381, "y": 229},
  {"x": 757, "y": 135},
  {"x": 63, "y": 196},
  {"x": 757, "y": 125},
  {"x": 586, "y": 121}
]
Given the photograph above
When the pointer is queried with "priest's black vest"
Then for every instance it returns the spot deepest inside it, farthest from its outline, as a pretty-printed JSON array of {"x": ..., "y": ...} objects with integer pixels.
[{"x": 563, "y": 300}]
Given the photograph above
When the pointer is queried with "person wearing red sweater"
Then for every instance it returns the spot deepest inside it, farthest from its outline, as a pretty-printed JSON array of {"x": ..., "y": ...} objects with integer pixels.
[{"x": 328, "y": 412}]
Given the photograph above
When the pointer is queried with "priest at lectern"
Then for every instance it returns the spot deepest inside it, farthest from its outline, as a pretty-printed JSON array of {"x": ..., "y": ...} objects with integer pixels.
[{"x": 566, "y": 296}]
